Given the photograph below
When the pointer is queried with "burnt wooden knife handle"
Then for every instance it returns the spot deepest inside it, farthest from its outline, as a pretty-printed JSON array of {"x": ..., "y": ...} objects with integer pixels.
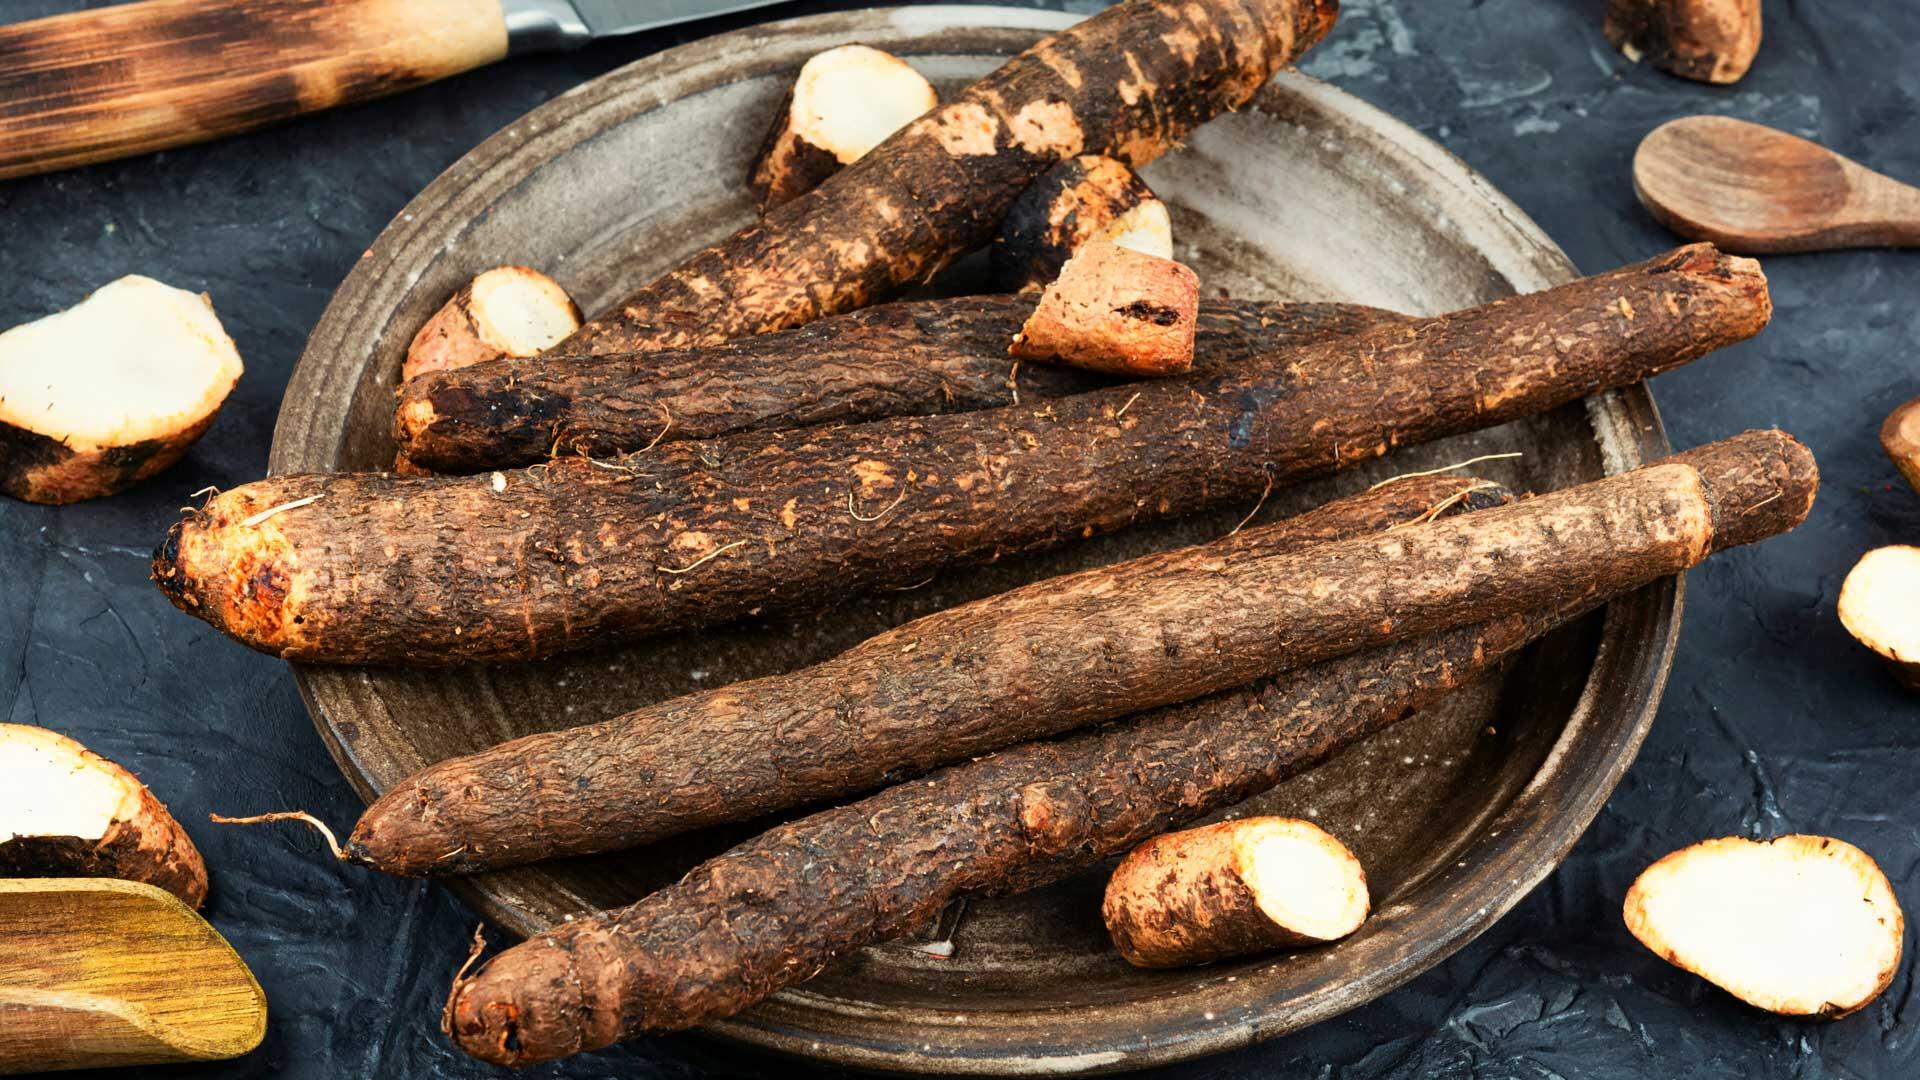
[{"x": 128, "y": 79}]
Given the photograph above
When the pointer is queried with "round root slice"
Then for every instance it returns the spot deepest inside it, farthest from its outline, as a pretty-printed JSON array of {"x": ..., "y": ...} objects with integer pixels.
[
  {"x": 1707, "y": 40},
  {"x": 1880, "y": 606},
  {"x": 1900, "y": 437},
  {"x": 111, "y": 391},
  {"x": 1796, "y": 925},
  {"x": 845, "y": 102},
  {"x": 1079, "y": 200},
  {"x": 1232, "y": 889},
  {"x": 509, "y": 311},
  {"x": 65, "y": 811}
]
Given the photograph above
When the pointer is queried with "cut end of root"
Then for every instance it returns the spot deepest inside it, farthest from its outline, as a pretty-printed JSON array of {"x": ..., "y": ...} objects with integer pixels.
[
  {"x": 1233, "y": 889},
  {"x": 1798, "y": 925},
  {"x": 1880, "y": 606},
  {"x": 1302, "y": 878},
  {"x": 1116, "y": 311},
  {"x": 510, "y": 312},
  {"x": 848, "y": 100}
]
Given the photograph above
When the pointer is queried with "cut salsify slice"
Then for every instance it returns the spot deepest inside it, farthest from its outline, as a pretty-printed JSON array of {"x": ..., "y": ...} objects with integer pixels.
[
  {"x": 110, "y": 391},
  {"x": 1797, "y": 925}
]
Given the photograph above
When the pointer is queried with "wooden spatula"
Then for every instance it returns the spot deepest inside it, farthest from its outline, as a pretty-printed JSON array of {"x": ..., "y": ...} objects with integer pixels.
[
  {"x": 102, "y": 972},
  {"x": 1753, "y": 190}
]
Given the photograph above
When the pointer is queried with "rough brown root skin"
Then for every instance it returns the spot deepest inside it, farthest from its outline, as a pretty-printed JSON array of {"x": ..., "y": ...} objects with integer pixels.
[
  {"x": 68, "y": 812},
  {"x": 1795, "y": 925},
  {"x": 111, "y": 391},
  {"x": 1115, "y": 311},
  {"x": 844, "y": 102},
  {"x": 1900, "y": 438},
  {"x": 385, "y": 569},
  {"x": 933, "y": 691},
  {"x": 918, "y": 358},
  {"x": 773, "y": 911},
  {"x": 1127, "y": 83},
  {"x": 1086, "y": 198},
  {"x": 1880, "y": 606},
  {"x": 1012, "y": 667},
  {"x": 38, "y": 469},
  {"x": 1710, "y": 41},
  {"x": 509, "y": 311},
  {"x": 1233, "y": 888}
]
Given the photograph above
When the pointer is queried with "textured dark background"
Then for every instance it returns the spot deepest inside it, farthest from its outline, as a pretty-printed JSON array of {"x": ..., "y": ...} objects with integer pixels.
[{"x": 1774, "y": 722}]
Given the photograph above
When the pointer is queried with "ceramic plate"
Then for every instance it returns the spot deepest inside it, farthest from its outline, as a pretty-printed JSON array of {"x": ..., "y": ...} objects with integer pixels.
[{"x": 1307, "y": 194}]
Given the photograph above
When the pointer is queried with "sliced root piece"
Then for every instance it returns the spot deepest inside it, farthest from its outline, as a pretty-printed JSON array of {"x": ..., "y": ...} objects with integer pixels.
[
  {"x": 1082, "y": 199},
  {"x": 1880, "y": 606},
  {"x": 65, "y": 811},
  {"x": 509, "y": 311},
  {"x": 109, "y": 392},
  {"x": 845, "y": 102},
  {"x": 1232, "y": 889},
  {"x": 1900, "y": 437},
  {"x": 1116, "y": 311},
  {"x": 1797, "y": 925},
  {"x": 1707, "y": 40}
]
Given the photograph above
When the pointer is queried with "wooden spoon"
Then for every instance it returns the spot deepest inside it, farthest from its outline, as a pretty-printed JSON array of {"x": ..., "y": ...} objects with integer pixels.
[
  {"x": 96, "y": 972},
  {"x": 1752, "y": 190}
]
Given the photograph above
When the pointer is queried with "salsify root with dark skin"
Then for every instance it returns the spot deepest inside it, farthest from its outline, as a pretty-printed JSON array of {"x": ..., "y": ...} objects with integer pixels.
[
  {"x": 775, "y": 910},
  {"x": 1019, "y": 665},
  {"x": 407, "y": 849},
  {"x": 1128, "y": 83},
  {"x": 911, "y": 358},
  {"x": 380, "y": 569},
  {"x": 958, "y": 682}
]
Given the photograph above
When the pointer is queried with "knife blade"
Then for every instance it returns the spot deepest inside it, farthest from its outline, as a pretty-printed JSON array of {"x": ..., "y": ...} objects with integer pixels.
[
  {"x": 543, "y": 24},
  {"x": 133, "y": 78}
]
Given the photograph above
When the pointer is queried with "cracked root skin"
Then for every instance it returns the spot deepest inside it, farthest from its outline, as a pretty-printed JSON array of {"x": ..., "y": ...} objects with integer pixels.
[
  {"x": 906, "y": 359},
  {"x": 945, "y": 687},
  {"x": 1126, "y": 83},
  {"x": 385, "y": 569},
  {"x": 1014, "y": 666},
  {"x": 1710, "y": 41},
  {"x": 724, "y": 936},
  {"x": 777, "y": 909}
]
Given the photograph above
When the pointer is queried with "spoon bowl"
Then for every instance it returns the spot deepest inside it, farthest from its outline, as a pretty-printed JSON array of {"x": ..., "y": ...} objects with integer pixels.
[{"x": 1754, "y": 190}]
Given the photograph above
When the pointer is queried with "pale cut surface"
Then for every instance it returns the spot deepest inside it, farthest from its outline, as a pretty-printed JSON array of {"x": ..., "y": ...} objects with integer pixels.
[
  {"x": 1798, "y": 925},
  {"x": 136, "y": 360},
  {"x": 520, "y": 311},
  {"x": 51, "y": 786},
  {"x": 849, "y": 99},
  {"x": 1145, "y": 228},
  {"x": 1880, "y": 602},
  {"x": 1302, "y": 878}
]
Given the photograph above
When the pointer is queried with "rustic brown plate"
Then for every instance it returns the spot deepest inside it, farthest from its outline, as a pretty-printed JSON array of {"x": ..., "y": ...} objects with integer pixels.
[{"x": 1309, "y": 194}]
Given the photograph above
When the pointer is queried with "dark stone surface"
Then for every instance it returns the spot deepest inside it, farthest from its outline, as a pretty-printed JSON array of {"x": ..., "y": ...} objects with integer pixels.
[{"x": 1774, "y": 722}]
